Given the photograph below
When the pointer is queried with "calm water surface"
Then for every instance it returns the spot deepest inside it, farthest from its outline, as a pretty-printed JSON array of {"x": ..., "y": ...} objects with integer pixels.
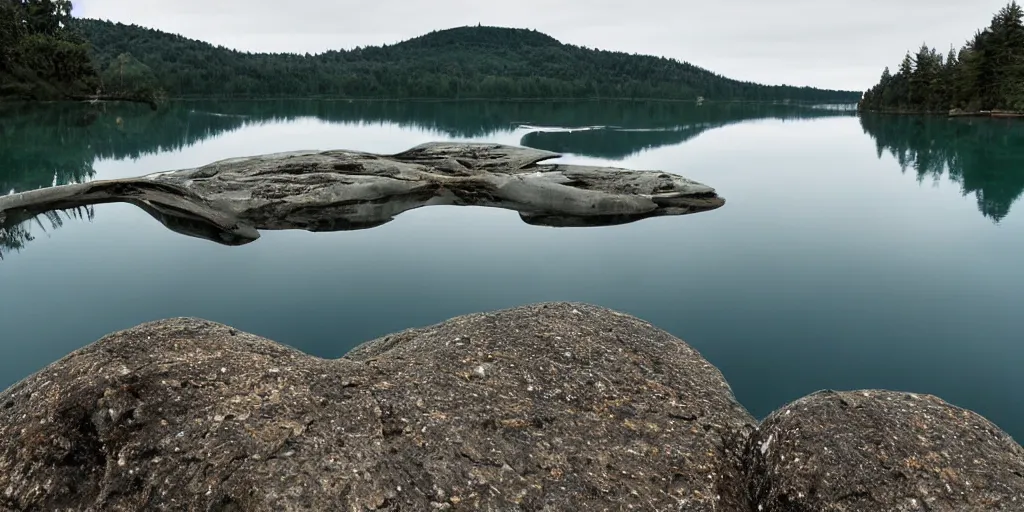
[{"x": 852, "y": 253}]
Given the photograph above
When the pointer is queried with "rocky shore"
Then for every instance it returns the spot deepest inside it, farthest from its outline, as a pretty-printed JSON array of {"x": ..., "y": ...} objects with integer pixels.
[{"x": 556, "y": 406}]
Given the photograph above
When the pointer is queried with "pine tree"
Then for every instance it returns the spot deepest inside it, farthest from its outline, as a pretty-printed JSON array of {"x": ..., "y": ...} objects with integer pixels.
[
  {"x": 40, "y": 56},
  {"x": 987, "y": 73}
]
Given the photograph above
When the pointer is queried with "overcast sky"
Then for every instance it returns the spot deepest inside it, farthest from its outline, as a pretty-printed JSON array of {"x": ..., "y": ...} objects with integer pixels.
[{"x": 840, "y": 44}]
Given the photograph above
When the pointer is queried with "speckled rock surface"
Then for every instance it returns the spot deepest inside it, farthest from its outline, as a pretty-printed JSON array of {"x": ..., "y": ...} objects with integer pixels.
[
  {"x": 542, "y": 407},
  {"x": 882, "y": 451}
]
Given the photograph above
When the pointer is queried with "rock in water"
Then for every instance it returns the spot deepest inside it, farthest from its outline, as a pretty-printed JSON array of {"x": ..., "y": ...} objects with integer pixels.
[
  {"x": 883, "y": 450},
  {"x": 229, "y": 201},
  {"x": 544, "y": 407}
]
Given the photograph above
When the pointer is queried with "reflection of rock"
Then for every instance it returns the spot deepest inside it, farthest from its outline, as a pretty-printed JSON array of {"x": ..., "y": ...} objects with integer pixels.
[
  {"x": 228, "y": 201},
  {"x": 541, "y": 407}
]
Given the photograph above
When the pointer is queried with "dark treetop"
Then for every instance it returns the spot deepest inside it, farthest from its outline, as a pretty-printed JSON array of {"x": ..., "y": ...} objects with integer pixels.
[
  {"x": 40, "y": 57},
  {"x": 987, "y": 73},
  {"x": 464, "y": 62}
]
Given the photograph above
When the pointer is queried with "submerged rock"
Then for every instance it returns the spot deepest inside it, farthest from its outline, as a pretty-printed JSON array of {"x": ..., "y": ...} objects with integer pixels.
[
  {"x": 230, "y": 200},
  {"x": 543, "y": 407}
]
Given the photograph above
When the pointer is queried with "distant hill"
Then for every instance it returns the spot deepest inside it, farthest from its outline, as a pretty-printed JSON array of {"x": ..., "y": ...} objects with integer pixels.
[{"x": 465, "y": 62}]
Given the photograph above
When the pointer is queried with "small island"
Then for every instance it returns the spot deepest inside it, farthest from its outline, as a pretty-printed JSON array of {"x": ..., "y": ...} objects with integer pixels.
[{"x": 984, "y": 78}]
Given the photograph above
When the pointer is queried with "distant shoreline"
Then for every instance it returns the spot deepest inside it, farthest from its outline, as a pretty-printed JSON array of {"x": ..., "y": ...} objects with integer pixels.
[
  {"x": 84, "y": 98},
  {"x": 955, "y": 113},
  {"x": 87, "y": 99}
]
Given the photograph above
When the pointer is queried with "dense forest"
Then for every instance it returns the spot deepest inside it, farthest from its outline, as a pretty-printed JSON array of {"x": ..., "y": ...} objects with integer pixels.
[
  {"x": 466, "y": 62},
  {"x": 40, "y": 56},
  {"x": 47, "y": 54},
  {"x": 986, "y": 74}
]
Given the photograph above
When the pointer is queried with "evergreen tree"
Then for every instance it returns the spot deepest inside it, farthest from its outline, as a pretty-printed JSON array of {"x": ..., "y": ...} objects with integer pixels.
[
  {"x": 987, "y": 73},
  {"x": 127, "y": 76},
  {"x": 40, "y": 56}
]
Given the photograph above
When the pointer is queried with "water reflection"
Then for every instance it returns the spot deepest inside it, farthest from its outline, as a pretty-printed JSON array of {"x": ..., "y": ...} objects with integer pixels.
[
  {"x": 623, "y": 141},
  {"x": 985, "y": 157},
  {"x": 14, "y": 236},
  {"x": 811, "y": 277},
  {"x": 612, "y": 143},
  {"x": 58, "y": 144}
]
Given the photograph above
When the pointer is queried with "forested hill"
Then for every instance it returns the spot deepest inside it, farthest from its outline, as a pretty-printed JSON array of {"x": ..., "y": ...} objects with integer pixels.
[
  {"x": 466, "y": 62},
  {"x": 986, "y": 74}
]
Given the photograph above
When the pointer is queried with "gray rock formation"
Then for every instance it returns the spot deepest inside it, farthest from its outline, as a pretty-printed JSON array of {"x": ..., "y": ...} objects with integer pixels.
[
  {"x": 229, "y": 201},
  {"x": 542, "y": 407}
]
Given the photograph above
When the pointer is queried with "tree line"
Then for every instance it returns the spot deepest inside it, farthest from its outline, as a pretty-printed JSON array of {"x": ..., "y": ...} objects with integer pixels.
[
  {"x": 465, "y": 62},
  {"x": 47, "y": 54},
  {"x": 987, "y": 73}
]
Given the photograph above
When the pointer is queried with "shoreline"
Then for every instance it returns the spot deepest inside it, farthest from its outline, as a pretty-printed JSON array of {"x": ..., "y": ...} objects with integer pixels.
[
  {"x": 433, "y": 100},
  {"x": 955, "y": 113}
]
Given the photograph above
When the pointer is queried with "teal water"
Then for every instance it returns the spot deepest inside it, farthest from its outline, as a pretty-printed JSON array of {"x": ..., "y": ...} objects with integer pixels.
[{"x": 878, "y": 252}]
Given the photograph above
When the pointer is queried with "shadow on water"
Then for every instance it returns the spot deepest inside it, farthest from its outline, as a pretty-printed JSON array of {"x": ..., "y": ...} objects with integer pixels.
[
  {"x": 58, "y": 144},
  {"x": 985, "y": 157}
]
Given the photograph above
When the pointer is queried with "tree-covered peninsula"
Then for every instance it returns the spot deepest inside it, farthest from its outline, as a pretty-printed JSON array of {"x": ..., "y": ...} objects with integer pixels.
[
  {"x": 987, "y": 74},
  {"x": 464, "y": 62}
]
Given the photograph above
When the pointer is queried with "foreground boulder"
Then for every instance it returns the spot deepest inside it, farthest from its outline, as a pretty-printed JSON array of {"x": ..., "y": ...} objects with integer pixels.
[
  {"x": 543, "y": 407},
  {"x": 883, "y": 450},
  {"x": 558, "y": 407}
]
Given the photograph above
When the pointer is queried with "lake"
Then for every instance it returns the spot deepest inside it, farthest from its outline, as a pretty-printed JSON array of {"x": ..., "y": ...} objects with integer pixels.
[{"x": 874, "y": 252}]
